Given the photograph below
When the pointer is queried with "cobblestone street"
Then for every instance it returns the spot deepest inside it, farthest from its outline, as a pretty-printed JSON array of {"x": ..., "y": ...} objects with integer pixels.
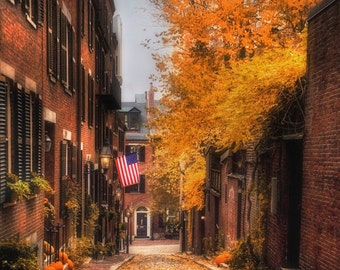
[
  {"x": 152, "y": 255},
  {"x": 160, "y": 262}
]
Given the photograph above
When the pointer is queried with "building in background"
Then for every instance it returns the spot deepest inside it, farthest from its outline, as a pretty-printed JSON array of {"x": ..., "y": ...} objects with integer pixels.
[{"x": 138, "y": 197}]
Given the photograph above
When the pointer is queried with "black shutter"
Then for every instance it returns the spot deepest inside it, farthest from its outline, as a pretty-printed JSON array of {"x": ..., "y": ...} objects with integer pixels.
[
  {"x": 142, "y": 184},
  {"x": 27, "y": 136},
  {"x": 40, "y": 12},
  {"x": 83, "y": 96},
  {"x": 72, "y": 55},
  {"x": 90, "y": 100},
  {"x": 17, "y": 112},
  {"x": 37, "y": 135},
  {"x": 141, "y": 153},
  {"x": 63, "y": 50},
  {"x": 52, "y": 39},
  {"x": 3, "y": 139},
  {"x": 74, "y": 162}
]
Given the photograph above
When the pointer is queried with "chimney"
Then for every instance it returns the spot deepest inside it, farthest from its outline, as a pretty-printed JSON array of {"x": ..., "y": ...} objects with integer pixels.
[{"x": 151, "y": 97}]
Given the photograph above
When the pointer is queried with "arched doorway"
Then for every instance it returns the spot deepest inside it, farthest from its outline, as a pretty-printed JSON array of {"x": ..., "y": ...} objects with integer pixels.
[{"x": 142, "y": 222}]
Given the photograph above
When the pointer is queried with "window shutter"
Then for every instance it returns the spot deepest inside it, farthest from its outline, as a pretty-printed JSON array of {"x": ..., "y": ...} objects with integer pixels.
[
  {"x": 90, "y": 100},
  {"x": 142, "y": 184},
  {"x": 52, "y": 39},
  {"x": 83, "y": 96},
  {"x": 17, "y": 111},
  {"x": 141, "y": 153},
  {"x": 3, "y": 140},
  {"x": 74, "y": 162},
  {"x": 27, "y": 136},
  {"x": 72, "y": 55},
  {"x": 37, "y": 135},
  {"x": 63, "y": 50},
  {"x": 82, "y": 25},
  {"x": 40, "y": 12}
]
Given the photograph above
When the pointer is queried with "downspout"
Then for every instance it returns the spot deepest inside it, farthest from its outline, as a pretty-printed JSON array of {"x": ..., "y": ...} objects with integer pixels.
[{"x": 79, "y": 113}]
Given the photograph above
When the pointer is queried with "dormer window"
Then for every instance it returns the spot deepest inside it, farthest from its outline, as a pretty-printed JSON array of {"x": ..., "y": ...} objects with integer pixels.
[{"x": 131, "y": 119}]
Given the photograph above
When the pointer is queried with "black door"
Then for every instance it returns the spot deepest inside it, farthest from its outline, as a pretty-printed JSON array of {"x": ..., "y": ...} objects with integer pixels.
[
  {"x": 142, "y": 225},
  {"x": 294, "y": 169}
]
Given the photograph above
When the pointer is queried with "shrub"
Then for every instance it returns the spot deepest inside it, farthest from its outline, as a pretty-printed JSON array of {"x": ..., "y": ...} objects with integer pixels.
[{"x": 18, "y": 256}]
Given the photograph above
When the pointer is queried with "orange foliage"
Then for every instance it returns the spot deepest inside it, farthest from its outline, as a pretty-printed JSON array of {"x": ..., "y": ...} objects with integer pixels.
[{"x": 230, "y": 61}]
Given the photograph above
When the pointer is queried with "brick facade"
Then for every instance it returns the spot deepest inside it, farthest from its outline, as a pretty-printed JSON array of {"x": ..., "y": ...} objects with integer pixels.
[
  {"x": 320, "y": 229},
  {"x": 60, "y": 53}
]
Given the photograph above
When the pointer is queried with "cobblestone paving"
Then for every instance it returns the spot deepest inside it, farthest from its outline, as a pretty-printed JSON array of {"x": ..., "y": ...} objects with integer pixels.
[{"x": 161, "y": 262}]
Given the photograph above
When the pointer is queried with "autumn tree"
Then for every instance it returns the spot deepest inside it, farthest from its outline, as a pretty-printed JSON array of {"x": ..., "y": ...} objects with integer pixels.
[{"x": 230, "y": 60}]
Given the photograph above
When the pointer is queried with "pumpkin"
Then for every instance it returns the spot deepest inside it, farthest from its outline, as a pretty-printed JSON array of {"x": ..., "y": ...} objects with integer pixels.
[
  {"x": 49, "y": 267},
  {"x": 58, "y": 265},
  {"x": 63, "y": 257},
  {"x": 48, "y": 248},
  {"x": 222, "y": 258},
  {"x": 70, "y": 264}
]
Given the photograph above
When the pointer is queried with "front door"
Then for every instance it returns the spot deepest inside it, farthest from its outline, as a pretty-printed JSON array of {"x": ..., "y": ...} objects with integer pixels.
[{"x": 142, "y": 225}]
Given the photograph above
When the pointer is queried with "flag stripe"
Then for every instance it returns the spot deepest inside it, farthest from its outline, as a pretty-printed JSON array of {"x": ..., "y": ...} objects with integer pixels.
[{"x": 128, "y": 170}]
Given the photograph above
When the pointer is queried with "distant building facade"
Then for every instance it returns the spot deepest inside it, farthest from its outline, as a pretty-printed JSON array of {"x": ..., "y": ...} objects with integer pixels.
[{"x": 135, "y": 116}]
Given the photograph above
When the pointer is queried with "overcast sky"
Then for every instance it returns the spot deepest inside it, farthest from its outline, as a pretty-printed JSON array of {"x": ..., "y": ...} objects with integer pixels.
[{"x": 138, "y": 25}]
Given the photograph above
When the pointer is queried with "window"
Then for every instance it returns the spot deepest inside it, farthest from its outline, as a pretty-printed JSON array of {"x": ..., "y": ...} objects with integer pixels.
[
  {"x": 131, "y": 119},
  {"x": 134, "y": 121},
  {"x": 239, "y": 162},
  {"x": 139, "y": 149},
  {"x": 138, "y": 188},
  {"x": 68, "y": 169},
  {"x": 52, "y": 39},
  {"x": 34, "y": 11},
  {"x": 60, "y": 47},
  {"x": 21, "y": 121},
  {"x": 67, "y": 62}
]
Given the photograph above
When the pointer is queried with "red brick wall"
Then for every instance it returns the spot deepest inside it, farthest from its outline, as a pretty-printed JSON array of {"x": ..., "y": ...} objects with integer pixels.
[
  {"x": 320, "y": 243},
  {"x": 21, "y": 60}
]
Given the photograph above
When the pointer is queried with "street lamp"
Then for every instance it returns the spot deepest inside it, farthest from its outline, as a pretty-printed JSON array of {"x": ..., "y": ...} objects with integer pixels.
[
  {"x": 128, "y": 213},
  {"x": 105, "y": 157},
  {"x": 118, "y": 194}
]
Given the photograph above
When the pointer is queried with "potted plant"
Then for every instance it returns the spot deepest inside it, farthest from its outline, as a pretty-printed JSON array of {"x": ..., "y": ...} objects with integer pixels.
[
  {"x": 39, "y": 183},
  {"x": 16, "y": 188}
]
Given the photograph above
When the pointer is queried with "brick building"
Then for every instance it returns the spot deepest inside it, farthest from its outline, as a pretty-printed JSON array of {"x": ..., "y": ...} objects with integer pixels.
[
  {"x": 135, "y": 116},
  {"x": 60, "y": 87},
  {"x": 296, "y": 168},
  {"x": 320, "y": 237}
]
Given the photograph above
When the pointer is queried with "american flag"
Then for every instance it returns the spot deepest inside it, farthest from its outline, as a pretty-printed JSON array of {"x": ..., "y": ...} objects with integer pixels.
[{"x": 128, "y": 171}]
